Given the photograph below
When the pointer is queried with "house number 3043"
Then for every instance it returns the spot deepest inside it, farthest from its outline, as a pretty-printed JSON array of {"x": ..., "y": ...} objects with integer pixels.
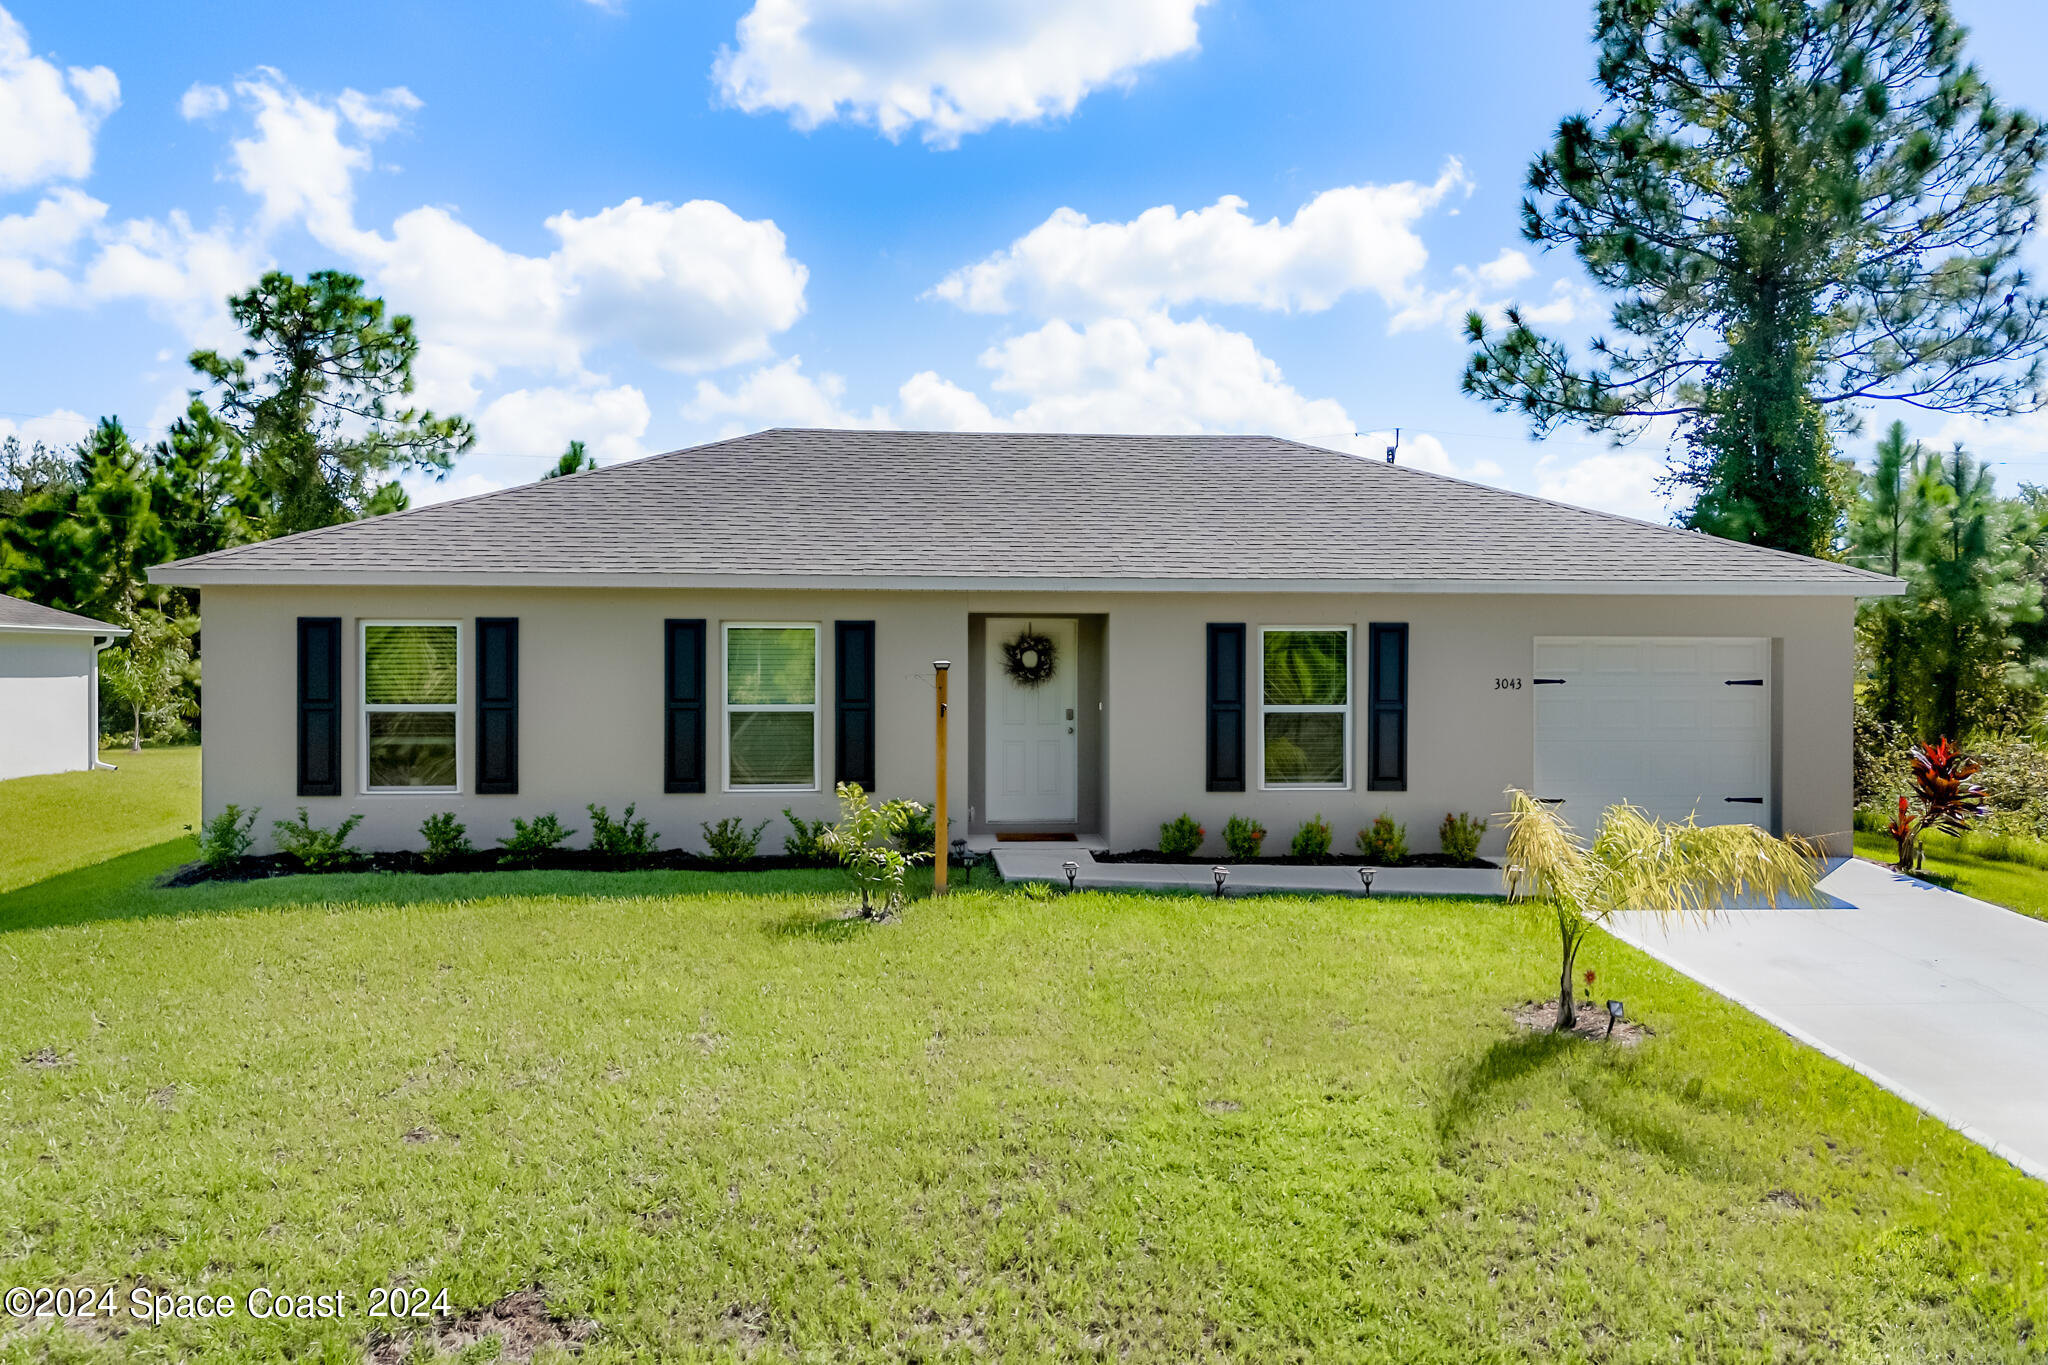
[{"x": 1507, "y": 684}]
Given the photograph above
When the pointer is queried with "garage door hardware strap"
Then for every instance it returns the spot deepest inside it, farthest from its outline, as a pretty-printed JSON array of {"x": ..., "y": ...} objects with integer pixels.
[
  {"x": 1745, "y": 800},
  {"x": 1548, "y": 682},
  {"x": 1743, "y": 682}
]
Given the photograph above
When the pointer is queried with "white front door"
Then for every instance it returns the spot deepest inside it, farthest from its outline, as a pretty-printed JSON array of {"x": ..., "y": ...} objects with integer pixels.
[
  {"x": 1671, "y": 725},
  {"x": 1029, "y": 741}
]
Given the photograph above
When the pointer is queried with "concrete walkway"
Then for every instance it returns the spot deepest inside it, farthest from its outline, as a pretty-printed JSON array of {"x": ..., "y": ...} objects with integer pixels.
[
  {"x": 1041, "y": 862},
  {"x": 1940, "y": 999}
]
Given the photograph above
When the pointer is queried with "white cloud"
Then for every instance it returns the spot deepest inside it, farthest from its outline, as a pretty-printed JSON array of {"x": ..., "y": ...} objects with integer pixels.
[
  {"x": 1620, "y": 481},
  {"x": 1146, "y": 374},
  {"x": 542, "y": 422},
  {"x": 927, "y": 402},
  {"x": 202, "y": 101},
  {"x": 779, "y": 395},
  {"x": 184, "y": 274},
  {"x": 692, "y": 286},
  {"x": 47, "y": 118},
  {"x": 1358, "y": 238},
  {"x": 940, "y": 66},
  {"x": 296, "y": 163},
  {"x": 59, "y": 429}
]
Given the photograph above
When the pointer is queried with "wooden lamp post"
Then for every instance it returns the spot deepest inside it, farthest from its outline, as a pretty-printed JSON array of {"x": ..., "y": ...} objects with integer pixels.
[{"x": 940, "y": 667}]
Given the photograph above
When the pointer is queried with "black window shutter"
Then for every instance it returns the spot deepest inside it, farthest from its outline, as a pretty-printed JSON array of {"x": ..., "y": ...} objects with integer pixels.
[
  {"x": 853, "y": 646},
  {"x": 319, "y": 706},
  {"x": 497, "y": 705},
  {"x": 1387, "y": 707},
  {"x": 1226, "y": 708},
  {"x": 683, "y": 727}
]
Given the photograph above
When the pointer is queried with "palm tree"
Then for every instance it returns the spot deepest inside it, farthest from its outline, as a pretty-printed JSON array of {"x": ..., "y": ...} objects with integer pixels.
[{"x": 1637, "y": 862}]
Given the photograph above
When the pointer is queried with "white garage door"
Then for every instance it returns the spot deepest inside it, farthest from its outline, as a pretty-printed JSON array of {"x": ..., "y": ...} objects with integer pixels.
[{"x": 1668, "y": 724}]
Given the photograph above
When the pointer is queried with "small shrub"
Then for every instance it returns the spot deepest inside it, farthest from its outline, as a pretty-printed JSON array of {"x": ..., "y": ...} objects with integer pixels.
[
  {"x": 1243, "y": 838},
  {"x": 531, "y": 838},
  {"x": 730, "y": 841},
  {"x": 1459, "y": 836},
  {"x": 317, "y": 849},
  {"x": 1181, "y": 837},
  {"x": 446, "y": 837},
  {"x": 862, "y": 842},
  {"x": 1384, "y": 843},
  {"x": 226, "y": 836},
  {"x": 1312, "y": 840},
  {"x": 624, "y": 837},
  {"x": 806, "y": 839},
  {"x": 919, "y": 830}
]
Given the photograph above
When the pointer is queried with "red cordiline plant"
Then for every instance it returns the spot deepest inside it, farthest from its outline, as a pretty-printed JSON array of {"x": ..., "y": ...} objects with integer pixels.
[{"x": 1949, "y": 800}]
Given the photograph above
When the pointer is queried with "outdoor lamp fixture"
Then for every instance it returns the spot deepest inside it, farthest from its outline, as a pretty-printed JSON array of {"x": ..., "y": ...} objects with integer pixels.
[
  {"x": 1073, "y": 870},
  {"x": 1222, "y": 875},
  {"x": 1365, "y": 876},
  {"x": 960, "y": 857},
  {"x": 1613, "y": 1016}
]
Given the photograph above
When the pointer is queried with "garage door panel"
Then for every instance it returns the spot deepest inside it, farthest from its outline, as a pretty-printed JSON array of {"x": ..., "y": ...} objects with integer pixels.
[
  {"x": 1612, "y": 658},
  {"x": 1652, "y": 721}
]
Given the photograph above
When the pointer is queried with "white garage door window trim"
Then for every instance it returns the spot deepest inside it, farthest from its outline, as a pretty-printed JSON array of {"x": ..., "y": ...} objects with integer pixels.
[{"x": 1674, "y": 724}]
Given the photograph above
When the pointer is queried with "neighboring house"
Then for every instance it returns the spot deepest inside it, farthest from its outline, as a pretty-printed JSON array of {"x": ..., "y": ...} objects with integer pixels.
[
  {"x": 49, "y": 688},
  {"x": 1238, "y": 624}
]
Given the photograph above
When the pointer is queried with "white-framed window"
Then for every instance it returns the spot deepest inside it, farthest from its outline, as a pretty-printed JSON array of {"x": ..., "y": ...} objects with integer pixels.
[
  {"x": 411, "y": 693},
  {"x": 771, "y": 706},
  {"x": 1305, "y": 707}
]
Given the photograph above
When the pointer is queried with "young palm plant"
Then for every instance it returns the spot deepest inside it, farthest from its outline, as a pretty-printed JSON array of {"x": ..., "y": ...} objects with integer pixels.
[{"x": 1636, "y": 862}]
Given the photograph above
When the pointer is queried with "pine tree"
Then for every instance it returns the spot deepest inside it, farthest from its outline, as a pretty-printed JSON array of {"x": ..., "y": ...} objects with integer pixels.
[
  {"x": 1891, "y": 532},
  {"x": 315, "y": 399},
  {"x": 204, "y": 494},
  {"x": 1801, "y": 206},
  {"x": 574, "y": 460},
  {"x": 1979, "y": 587}
]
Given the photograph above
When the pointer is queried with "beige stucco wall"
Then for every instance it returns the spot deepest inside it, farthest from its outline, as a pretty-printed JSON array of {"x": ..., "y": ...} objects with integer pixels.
[
  {"x": 591, "y": 678},
  {"x": 47, "y": 723}
]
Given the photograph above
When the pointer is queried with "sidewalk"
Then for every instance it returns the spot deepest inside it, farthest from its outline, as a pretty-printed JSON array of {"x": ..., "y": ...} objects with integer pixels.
[{"x": 1042, "y": 862}]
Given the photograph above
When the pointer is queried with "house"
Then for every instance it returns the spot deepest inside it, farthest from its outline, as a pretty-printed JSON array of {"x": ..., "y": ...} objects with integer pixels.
[
  {"x": 49, "y": 688},
  {"x": 1137, "y": 626}
]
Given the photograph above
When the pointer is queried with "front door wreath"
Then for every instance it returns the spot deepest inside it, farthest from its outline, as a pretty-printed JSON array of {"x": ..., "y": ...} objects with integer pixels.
[{"x": 1030, "y": 659}]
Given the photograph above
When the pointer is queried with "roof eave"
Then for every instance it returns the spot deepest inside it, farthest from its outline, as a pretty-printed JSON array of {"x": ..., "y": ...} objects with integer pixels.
[
  {"x": 21, "y": 628},
  {"x": 192, "y": 575}
]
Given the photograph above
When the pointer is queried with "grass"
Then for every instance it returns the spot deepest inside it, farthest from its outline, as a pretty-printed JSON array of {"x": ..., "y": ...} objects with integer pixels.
[
  {"x": 66, "y": 820},
  {"x": 722, "y": 1123},
  {"x": 706, "y": 1114},
  {"x": 2001, "y": 869}
]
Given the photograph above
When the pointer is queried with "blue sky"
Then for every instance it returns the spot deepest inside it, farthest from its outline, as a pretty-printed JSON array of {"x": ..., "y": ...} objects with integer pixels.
[{"x": 647, "y": 225}]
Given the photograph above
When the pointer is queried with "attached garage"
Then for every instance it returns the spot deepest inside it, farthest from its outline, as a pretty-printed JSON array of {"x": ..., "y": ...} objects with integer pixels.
[{"x": 1677, "y": 726}]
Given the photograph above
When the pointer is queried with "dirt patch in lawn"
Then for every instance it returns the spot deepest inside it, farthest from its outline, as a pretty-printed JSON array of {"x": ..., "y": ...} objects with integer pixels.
[
  {"x": 521, "y": 1323},
  {"x": 1590, "y": 1021}
]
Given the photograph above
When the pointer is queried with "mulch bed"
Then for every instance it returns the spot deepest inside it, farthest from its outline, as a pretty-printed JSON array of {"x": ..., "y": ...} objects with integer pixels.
[
  {"x": 1589, "y": 1021},
  {"x": 488, "y": 860},
  {"x": 1153, "y": 855}
]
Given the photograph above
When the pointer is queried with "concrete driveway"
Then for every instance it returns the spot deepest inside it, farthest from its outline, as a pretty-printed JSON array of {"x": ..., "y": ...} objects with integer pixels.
[{"x": 1940, "y": 999}]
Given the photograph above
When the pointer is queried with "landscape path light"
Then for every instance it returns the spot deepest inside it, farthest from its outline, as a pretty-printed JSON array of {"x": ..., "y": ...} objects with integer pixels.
[
  {"x": 1365, "y": 876},
  {"x": 1222, "y": 875},
  {"x": 1073, "y": 870}
]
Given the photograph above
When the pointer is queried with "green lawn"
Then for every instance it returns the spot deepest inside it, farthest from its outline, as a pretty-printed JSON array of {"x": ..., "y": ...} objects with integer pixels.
[
  {"x": 66, "y": 820},
  {"x": 1965, "y": 867},
  {"x": 721, "y": 1124},
  {"x": 717, "y": 1122}
]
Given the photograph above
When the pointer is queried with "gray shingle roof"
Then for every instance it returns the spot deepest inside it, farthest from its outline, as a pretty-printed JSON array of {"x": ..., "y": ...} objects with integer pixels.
[
  {"x": 18, "y": 613},
  {"x": 934, "y": 509}
]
